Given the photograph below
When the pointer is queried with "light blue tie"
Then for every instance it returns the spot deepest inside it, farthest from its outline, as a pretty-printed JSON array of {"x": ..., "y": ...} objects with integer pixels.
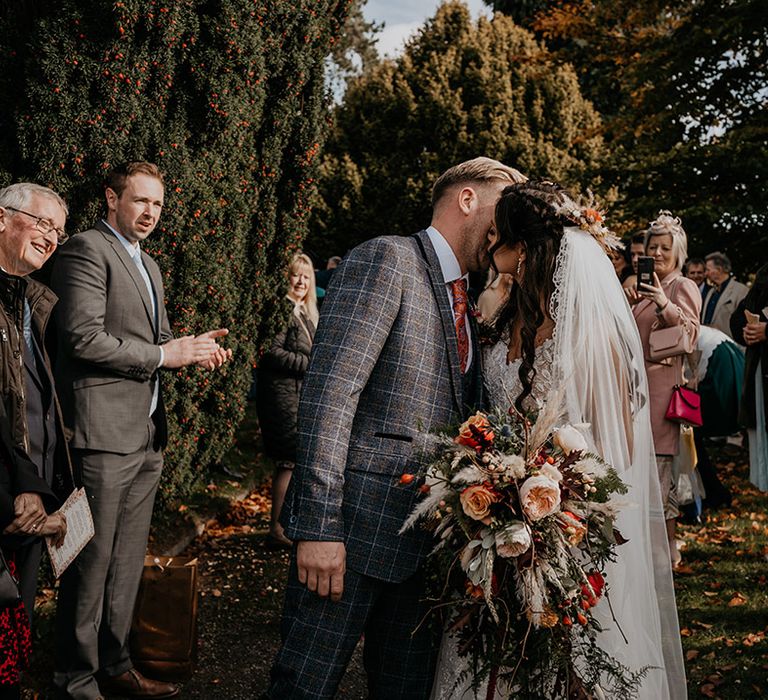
[
  {"x": 136, "y": 257},
  {"x": 145, "y": 276}
]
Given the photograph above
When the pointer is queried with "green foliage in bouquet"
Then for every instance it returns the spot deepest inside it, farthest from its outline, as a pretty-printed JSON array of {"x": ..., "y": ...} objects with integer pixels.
[{"x": 228, "y": 98}]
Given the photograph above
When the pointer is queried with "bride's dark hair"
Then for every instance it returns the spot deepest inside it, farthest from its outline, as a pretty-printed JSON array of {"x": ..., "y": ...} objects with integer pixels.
[{"x": 526, "y": 214}]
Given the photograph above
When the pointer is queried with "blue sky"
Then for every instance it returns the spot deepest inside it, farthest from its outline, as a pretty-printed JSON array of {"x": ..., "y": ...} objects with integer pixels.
[{"x": 403, "y": 17}]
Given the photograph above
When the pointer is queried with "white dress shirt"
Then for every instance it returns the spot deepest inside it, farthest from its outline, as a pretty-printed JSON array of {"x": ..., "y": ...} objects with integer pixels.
[{"x": 451, "y": 270}]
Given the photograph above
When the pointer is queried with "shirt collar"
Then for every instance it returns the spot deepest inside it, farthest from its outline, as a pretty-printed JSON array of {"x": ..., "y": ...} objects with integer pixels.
[
  {"x": 449, "y": 265},
  {"x": 132, "y": 248}
]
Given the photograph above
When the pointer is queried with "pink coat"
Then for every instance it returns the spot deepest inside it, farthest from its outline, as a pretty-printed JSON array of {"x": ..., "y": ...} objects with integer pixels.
[{"x": 684, "y": 308}]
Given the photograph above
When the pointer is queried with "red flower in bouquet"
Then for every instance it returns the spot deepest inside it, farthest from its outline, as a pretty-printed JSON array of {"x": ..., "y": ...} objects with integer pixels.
[
  {"x": 597, "y": 583},
  {"x": 475, "y": 432}
]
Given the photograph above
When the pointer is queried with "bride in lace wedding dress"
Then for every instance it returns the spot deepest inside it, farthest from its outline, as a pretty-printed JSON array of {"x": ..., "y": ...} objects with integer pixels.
[{"x": 567, "y": 335}]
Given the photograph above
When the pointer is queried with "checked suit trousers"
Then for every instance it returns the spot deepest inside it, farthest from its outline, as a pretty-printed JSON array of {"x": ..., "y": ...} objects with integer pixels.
[{"x": 319, "y": 636}]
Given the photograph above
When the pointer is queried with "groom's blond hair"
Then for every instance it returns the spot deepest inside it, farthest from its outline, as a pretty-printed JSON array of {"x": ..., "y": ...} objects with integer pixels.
[{"x": 476, "y": 171}]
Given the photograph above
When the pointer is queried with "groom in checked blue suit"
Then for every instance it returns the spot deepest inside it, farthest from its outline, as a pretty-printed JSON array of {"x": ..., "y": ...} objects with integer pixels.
[{"x": 394, "y": 357}]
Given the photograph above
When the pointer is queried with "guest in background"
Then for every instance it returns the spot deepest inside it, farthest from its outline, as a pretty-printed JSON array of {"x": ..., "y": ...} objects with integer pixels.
[
  {"x": 622, "y": 262},
  {"x": 695, "y": 269},
  {"x": 673, "y": 300},
  {"x": 719, "y": 365},
  {"x": 114, "y": 338},
  {"x": 323, "y": 277},
  {"x": 723, "y": 295},
  {"x": 636, "y": 248},
  {"x": 281, "y": 371},
  {"x": 750, "y": 329},
  {"x": 32, "y": 220}
]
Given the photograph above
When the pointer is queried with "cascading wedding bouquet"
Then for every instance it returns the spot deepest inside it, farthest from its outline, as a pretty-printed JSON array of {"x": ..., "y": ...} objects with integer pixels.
[{"x": 524, "y": 518}]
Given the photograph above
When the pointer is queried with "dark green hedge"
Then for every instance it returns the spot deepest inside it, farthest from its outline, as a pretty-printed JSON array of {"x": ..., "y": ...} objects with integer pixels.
[{"x": 228, "y": 97}]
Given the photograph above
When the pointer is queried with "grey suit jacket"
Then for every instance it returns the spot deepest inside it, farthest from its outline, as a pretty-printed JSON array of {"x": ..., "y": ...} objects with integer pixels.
[
  {"x": 384, "y": 372},
  {"x": 108, "y": 345},
  {"x": 726, "y": 305}
]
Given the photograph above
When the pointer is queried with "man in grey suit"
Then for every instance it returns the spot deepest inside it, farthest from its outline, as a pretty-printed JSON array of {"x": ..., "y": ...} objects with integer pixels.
[
  {"x": 394, "y": 357},
  {"x": 114, "y": 336},
  {"x": 723, "y": 295}
]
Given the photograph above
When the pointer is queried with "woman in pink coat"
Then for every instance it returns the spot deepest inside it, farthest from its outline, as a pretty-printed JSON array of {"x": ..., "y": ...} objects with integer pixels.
[{"x": 672, "y": 300}]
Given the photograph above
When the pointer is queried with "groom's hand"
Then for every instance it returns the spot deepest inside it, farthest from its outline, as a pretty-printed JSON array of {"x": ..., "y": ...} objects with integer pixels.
[{"x": 321, "y": 567}]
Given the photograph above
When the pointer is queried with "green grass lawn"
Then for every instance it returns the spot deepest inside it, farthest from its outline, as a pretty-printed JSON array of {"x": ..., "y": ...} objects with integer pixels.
[{"x": 722, "y": 595}]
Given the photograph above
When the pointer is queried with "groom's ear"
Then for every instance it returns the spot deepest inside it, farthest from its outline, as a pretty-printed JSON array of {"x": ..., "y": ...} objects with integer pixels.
[{"x": 467, "y": 199}]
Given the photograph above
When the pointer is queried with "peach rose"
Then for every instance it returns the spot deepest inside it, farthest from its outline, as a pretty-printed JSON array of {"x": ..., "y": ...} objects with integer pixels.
[
  {"x": 476, "y": 501},
  {"x": 539, "y": 497},
  {"x": 474, "y": 428}
]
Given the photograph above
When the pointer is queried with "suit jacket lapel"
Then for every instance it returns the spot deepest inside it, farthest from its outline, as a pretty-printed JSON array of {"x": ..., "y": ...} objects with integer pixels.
[
  {"x": 446, "y": 314},
  {"x": 132, "y": 270}
]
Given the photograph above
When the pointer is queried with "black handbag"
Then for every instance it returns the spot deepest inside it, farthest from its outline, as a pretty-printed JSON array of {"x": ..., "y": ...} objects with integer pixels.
[{"x": 10, "y": 594}]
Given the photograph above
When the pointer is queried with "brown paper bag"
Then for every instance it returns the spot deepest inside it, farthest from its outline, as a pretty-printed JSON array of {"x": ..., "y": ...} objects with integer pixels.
[{"x": 164, "y": 631}]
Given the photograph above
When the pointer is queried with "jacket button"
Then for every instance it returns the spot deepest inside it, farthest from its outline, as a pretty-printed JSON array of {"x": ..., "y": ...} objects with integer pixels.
[{"x": 293, "y": 519}]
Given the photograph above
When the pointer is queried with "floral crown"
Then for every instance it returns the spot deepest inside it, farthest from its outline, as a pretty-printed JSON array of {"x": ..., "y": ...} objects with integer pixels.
[{"x": 588, "y": 217}]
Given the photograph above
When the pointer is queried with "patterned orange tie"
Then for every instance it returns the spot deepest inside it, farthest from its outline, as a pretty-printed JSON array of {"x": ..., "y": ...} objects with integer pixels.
[{"x": 459, "y": 291}]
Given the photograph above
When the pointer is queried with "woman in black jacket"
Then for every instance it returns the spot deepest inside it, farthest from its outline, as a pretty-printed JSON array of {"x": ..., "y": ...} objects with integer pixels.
[
  {"x": 748, "y": 326},
  {"x": 278, "y": 384}
]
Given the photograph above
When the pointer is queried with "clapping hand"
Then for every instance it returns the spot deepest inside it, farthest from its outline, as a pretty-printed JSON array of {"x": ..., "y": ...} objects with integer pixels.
[
  {"x": 654, "y": 292},
  {"x": 220, "y": 355},
  {"x": 201, "y": 350}
]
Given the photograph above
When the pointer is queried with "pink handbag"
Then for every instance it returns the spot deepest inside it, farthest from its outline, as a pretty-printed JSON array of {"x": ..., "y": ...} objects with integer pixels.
[
  {"x": 685, "y": 407},
  {"x": 669, "y": 342}
]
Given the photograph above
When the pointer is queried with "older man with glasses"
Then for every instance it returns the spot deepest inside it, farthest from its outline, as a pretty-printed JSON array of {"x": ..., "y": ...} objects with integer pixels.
[{"x": 32, "y": 221}]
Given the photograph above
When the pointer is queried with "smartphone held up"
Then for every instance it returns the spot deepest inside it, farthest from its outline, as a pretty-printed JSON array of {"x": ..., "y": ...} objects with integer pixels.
[{"x": 645, "y": 268}]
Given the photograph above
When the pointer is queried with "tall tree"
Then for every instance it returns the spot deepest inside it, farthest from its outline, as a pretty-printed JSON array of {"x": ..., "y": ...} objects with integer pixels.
[
  {"x": 229, "y": 98},
  {"x": 459, "y": 90},
  {"x": 680, "y": 86},
  {"x": 522, "y": 11}
]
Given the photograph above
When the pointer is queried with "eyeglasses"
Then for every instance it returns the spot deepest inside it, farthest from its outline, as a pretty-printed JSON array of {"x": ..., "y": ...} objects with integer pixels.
[{"x": 45, "y": 226}]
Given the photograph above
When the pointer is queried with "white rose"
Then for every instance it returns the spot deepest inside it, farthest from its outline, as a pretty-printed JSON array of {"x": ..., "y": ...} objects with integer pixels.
[
  {"x": 568, "y": 439},
  {"x": 513, "y": 540},
  {"x": 514, "y": 466},
  {"x": 552, "y": 472}
]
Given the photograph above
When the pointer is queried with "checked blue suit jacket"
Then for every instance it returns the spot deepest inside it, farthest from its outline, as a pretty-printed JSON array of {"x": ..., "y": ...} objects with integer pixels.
[{"x": 384, "y": 372}]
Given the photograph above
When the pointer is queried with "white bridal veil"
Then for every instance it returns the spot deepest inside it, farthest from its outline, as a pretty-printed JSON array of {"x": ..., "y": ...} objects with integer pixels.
[{"x": 600, "y": 371}]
